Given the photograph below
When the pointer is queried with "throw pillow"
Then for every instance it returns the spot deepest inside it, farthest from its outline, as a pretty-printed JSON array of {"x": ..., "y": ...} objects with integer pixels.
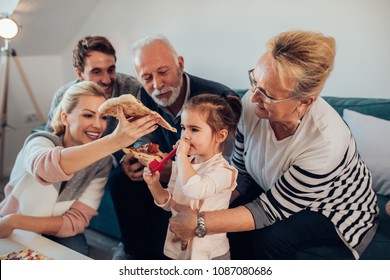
[{"x": 372, "y": 137}]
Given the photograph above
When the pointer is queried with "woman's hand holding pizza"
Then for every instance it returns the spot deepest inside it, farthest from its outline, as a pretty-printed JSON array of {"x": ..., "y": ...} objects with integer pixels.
[
  {"x": 184, "y": 222},
  {"x": 128, "y": 131}
]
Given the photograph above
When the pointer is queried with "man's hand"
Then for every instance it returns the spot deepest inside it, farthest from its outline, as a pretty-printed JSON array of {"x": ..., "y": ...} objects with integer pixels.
[
  {"x": 184, "y": 222},
  {"x": 132, "y": 167}
]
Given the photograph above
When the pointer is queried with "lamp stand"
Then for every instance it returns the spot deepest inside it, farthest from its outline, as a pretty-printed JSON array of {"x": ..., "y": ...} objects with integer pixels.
[{"x": 6, "y": 53}]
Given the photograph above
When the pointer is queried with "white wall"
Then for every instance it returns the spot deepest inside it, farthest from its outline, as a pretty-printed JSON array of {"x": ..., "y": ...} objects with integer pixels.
[
  {"x": 220, "y": 40},
  {"x": 43, "y": 74}
]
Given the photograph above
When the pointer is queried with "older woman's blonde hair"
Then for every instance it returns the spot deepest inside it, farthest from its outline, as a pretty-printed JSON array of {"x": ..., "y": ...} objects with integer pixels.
[
  {"x": 70, "y": 100},
  {"x": 302, "y": 59}
]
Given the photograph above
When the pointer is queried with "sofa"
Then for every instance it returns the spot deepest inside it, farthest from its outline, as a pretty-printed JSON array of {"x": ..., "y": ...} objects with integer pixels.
[{"x": 373, "y": 108}]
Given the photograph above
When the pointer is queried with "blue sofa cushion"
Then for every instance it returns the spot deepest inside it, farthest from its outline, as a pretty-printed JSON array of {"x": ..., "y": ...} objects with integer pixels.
[
  {"x": 376, "y": 107},
  {"x": 106, "y": 221}
]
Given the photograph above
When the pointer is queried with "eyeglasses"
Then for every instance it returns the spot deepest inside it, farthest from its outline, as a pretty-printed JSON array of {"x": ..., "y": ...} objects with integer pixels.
[{"x": 266, "y": 99}]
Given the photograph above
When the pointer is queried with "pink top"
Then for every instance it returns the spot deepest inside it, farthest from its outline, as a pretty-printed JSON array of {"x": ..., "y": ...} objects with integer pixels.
[{"x": 209, "y": 190}]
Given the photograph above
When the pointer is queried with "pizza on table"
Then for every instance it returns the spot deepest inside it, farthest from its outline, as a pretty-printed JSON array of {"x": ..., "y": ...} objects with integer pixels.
[{"x": 24, "y": 254}]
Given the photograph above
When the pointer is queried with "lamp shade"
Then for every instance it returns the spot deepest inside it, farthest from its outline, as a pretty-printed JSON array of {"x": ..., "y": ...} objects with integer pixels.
[{"x": 8, "y": 28}]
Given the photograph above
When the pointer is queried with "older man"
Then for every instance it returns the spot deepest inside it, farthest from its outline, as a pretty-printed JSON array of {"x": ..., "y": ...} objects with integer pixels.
[{"x": 166, "y": 87}]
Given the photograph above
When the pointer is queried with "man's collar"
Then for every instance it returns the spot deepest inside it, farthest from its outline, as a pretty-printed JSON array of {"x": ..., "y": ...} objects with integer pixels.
[{"x": 187, "y": 93}]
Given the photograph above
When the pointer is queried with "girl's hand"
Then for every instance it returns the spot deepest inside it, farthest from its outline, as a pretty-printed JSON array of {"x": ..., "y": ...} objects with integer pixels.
[
  {"x": 183, "y": 147},
  {"x": 152, "y": 179},
  {"x": 159, "y": 194}
]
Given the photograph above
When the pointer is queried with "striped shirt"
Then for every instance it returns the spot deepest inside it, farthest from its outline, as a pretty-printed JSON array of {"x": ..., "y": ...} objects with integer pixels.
[{"x": 318, "y": 169}]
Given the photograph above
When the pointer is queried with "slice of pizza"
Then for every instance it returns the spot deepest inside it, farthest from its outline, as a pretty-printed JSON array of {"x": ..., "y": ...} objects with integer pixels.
[
  {"x": 24, "y": 254},
  {"x": 132, "y": 107},
  {"x": 149, "y": 152}
]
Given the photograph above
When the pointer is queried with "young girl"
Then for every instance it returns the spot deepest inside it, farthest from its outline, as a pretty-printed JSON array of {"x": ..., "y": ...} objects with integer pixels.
[
  {"x": 201, "y": 178},
  {"x": 58, "y": 178}
]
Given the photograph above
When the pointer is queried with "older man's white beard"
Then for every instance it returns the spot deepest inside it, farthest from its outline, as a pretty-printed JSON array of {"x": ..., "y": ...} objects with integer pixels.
[{"x": 166, "y": 102}]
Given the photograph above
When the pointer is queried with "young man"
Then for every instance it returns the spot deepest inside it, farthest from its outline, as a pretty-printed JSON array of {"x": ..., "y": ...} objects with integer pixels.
[
  {"x": 94, "y": 60},
  {"x": 166, "y": 87}
]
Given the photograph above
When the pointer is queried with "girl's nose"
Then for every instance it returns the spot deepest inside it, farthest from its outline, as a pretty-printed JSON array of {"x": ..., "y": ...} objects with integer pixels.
[{"x": 186, "y": 135}]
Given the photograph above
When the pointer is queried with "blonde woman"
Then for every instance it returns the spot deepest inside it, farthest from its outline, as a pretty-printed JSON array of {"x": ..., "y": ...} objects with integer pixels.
[{"x": 58, "y": 178}]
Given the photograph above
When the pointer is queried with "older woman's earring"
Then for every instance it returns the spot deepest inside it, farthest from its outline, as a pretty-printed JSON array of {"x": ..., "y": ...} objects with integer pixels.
[{"x": 298, "y": 121}]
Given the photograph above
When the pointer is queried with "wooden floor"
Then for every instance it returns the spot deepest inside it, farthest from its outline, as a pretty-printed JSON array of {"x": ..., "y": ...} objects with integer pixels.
[{"x": 101, "y": 246}]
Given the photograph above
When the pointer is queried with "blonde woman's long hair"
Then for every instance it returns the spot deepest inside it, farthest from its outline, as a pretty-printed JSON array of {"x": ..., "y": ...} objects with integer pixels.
[{"x": 70, "y": 100}]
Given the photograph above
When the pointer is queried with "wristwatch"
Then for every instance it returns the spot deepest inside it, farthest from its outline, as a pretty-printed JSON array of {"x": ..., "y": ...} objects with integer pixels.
[{"x": 200, "y": 230}]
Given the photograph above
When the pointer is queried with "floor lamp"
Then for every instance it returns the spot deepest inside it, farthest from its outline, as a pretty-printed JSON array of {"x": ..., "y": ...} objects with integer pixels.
[{"x": 8, "y": 30}]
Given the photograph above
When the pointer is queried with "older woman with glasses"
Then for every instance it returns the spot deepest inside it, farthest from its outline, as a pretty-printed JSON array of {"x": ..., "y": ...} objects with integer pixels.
[{"x": 302, "y": 183}]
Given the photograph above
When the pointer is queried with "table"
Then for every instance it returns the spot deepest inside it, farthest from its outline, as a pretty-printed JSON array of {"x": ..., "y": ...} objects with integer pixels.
[{"x": 21, "y": 239}]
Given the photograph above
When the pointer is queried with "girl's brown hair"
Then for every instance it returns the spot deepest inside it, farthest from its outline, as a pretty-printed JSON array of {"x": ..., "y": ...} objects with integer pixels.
[{"x": 220, "y": 111}]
